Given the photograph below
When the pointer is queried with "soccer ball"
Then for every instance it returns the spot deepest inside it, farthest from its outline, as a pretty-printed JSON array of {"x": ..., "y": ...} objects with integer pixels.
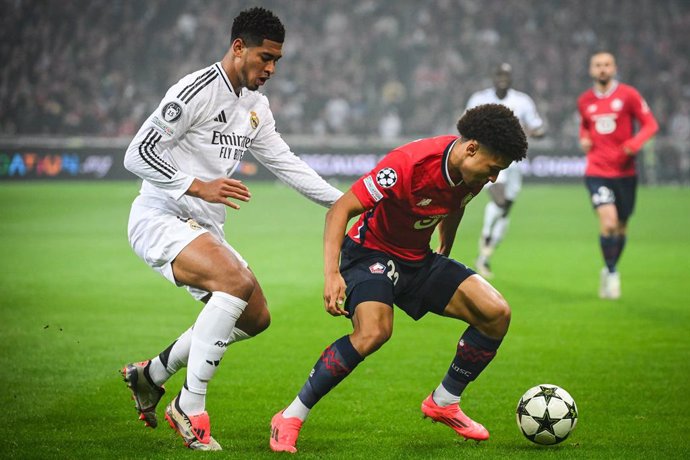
[{"x": 546, "y": 414}]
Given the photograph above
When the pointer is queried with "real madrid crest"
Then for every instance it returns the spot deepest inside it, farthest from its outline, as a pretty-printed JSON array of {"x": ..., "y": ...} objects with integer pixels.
[{"x": 253, "y": 120}]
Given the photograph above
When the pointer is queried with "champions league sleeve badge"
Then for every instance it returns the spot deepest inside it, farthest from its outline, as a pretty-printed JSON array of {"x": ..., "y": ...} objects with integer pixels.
[
  {"x": 387, "y": 177},
  {"x": 171, "y": 112}
]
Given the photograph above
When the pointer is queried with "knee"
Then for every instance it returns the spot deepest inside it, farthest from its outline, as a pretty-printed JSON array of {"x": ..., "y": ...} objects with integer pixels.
[
  {"x": 261, "y": 322},
  {"x": 237, "y": 282},
  {"x": 369, "y": 340},
  {"x": 497, "y": 318}
]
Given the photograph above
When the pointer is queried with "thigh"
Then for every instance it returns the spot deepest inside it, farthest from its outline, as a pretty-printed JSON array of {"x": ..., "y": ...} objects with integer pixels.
[
  {"x": 432, "y": 286},
  {"x": 601, "y": 191},
  {"x": 369, "y": 276},
  {"x": 513, "y": 181},
  {"x": 626, "y": 193},
  {"x": 209, "y": 264},
  {"x": 475, "y": 301},
  {"x": 497, "y": 192}
]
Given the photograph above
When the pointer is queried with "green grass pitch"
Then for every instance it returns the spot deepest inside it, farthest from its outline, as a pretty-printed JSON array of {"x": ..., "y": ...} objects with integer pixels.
[{"x": 76, "y": 304}]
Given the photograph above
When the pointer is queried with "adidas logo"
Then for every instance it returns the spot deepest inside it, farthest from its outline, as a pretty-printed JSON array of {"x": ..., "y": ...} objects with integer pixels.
[{"x": 221, "y": 117}]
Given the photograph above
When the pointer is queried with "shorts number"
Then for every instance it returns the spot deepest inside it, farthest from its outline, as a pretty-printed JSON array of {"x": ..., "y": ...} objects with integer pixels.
[{"x": 392, "y": 274}]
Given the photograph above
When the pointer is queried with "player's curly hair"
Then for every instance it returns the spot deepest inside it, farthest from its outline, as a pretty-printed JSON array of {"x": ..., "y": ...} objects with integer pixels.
[
  {"x": 255, "y": 25},
  {"x": 497, "y": 128}
]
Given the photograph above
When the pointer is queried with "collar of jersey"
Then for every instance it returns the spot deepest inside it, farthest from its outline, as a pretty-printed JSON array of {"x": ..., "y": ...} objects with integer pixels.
[
  {"x": 607, "y": 93},
  {"x": 444, "y": 164},
  {"x": 225, "y": 78}
]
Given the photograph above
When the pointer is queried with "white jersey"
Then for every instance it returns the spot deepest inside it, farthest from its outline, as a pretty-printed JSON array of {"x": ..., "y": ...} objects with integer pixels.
[
  {"x": 520, "y": 103},
  {"x": 202, "y": 129},
  {"x": 525, "y": 110}
]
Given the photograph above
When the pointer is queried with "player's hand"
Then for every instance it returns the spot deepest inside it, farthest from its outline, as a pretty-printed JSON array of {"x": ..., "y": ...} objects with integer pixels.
[
  {"x": 220, "y": 190},
  {"x": 628, "y": 150},
  {"x": 585, "y": 144},
  {"x": 334, "y": 294}
]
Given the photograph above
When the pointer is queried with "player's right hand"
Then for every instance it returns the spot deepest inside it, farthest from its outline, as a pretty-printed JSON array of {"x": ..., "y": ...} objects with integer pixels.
[
  {"x": 585, "y": 144},
  {"x": 334, "y": 294},
  {"x": 220, "y": 190}
]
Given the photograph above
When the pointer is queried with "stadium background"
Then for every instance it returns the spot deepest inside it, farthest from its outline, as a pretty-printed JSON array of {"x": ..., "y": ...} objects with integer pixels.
[{"x": 358, "y": 77}]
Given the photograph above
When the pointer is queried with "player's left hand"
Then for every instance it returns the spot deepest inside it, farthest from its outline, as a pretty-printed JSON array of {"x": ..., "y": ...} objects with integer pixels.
[
  {"x": 334, "y": 294},
  {"x": 628, "y": 150}
]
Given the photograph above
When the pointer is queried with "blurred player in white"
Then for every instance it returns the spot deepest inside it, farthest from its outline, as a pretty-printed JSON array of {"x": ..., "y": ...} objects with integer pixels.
[
  {"x": 186, "y": 152},
  {"x": 505, "y": 190}
]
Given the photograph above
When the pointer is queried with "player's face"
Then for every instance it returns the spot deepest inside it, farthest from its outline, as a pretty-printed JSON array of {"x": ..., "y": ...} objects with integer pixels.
[
  {"x": 258, "y": 63},
  {"x": 482, "y": 167},
  {"x": 602, "y": 68},
  {"x": 502, "y": 81}
]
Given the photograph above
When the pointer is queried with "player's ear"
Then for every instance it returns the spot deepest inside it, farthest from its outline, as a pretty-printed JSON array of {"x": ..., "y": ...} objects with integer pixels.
[
  {"x": 472, "y": 147},
  {"x": 237, "y": 47}
]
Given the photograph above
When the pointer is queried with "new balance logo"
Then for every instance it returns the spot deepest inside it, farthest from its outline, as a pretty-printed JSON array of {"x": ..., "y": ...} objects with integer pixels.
[{"x": 221, "y": 117}]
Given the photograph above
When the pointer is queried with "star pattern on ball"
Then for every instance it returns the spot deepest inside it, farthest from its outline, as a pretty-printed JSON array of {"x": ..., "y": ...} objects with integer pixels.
[
  {"x": 546, "y": 423},
  {"x": 522, "y": 408},
  {"x": 572, "y": 411},
  {"x": 547, "y": 393}
]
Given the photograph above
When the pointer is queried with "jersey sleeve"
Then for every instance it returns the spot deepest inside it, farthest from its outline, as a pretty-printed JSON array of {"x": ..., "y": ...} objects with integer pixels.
[
  {"x": 272, "y": 151},
  {"x": 648, "y": 124},
  {"x": 170, "y": 121},
  {"x": 532, "y": 119},
  {"x": 386, "y": 180},
  {"x": 473, "y": 101},
  {"x": 584, "y": 121}
]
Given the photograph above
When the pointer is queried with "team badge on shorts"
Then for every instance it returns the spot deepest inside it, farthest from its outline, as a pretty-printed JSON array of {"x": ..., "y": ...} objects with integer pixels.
[
  {"x": 194, "y": 225},
  {"x": 377, "y": 269},
  {"x": 467, "y": 199},
  {"x": 171, "y": 112},
  {"x": 604, "y": 195},
  {"x": 387, "y": 177},
  {"x": 253, "y": 120}
]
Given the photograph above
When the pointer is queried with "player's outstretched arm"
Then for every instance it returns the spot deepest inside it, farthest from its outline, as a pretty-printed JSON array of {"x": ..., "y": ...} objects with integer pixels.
[
  {"x": 337, "y": 218},
  {"x": 219, "y": 190}
]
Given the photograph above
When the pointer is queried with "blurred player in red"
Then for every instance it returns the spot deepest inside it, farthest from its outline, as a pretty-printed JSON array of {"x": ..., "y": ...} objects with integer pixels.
[
  {"x": 385, "y": 259},
  {"x": 608, "y": 114}
]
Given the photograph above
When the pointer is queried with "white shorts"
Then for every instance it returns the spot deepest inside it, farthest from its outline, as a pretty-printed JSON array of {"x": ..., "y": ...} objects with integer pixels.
[
  {"x": 157, "y": 237},
  {"x": 511, "y": 178}
]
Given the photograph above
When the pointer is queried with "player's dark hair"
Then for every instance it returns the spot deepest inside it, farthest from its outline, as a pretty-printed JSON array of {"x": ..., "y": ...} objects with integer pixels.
[
  {"x": 255, "y": 25},
  {"x": 497, "y": 128}
]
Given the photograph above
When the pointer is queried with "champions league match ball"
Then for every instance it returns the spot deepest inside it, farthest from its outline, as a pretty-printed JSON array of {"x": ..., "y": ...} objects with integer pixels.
[{"x": 546, "y": 414}]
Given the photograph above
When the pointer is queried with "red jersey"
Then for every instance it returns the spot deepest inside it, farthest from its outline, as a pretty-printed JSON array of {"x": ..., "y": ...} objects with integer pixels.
[
  {"x": 406, "y": 195},
  {"x": 608, "y": 120}
]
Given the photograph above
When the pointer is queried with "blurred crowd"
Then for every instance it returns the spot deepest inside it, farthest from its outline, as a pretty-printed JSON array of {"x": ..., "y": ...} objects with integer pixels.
[{"x": 359, "y": 67}]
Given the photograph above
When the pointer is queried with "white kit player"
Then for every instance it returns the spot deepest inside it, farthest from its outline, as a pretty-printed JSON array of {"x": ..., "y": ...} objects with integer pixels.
[
  {"x": 186, "y": 152},
  {"x": 505, "y": 190}
]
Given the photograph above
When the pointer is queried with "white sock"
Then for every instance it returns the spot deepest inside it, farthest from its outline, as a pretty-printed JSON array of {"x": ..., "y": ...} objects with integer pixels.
[
  {"x": 492, "y": 212},
  {"x": 210, "y": 336},
  {"x": 238, "y": 335},
  {"x": 177, "y": 359},
  {"x": 297, "y": 409},
  {"x": 499, "y": 230},
  {"x": 179, "y": 355},
  {"x": 443, "y": 398}
]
